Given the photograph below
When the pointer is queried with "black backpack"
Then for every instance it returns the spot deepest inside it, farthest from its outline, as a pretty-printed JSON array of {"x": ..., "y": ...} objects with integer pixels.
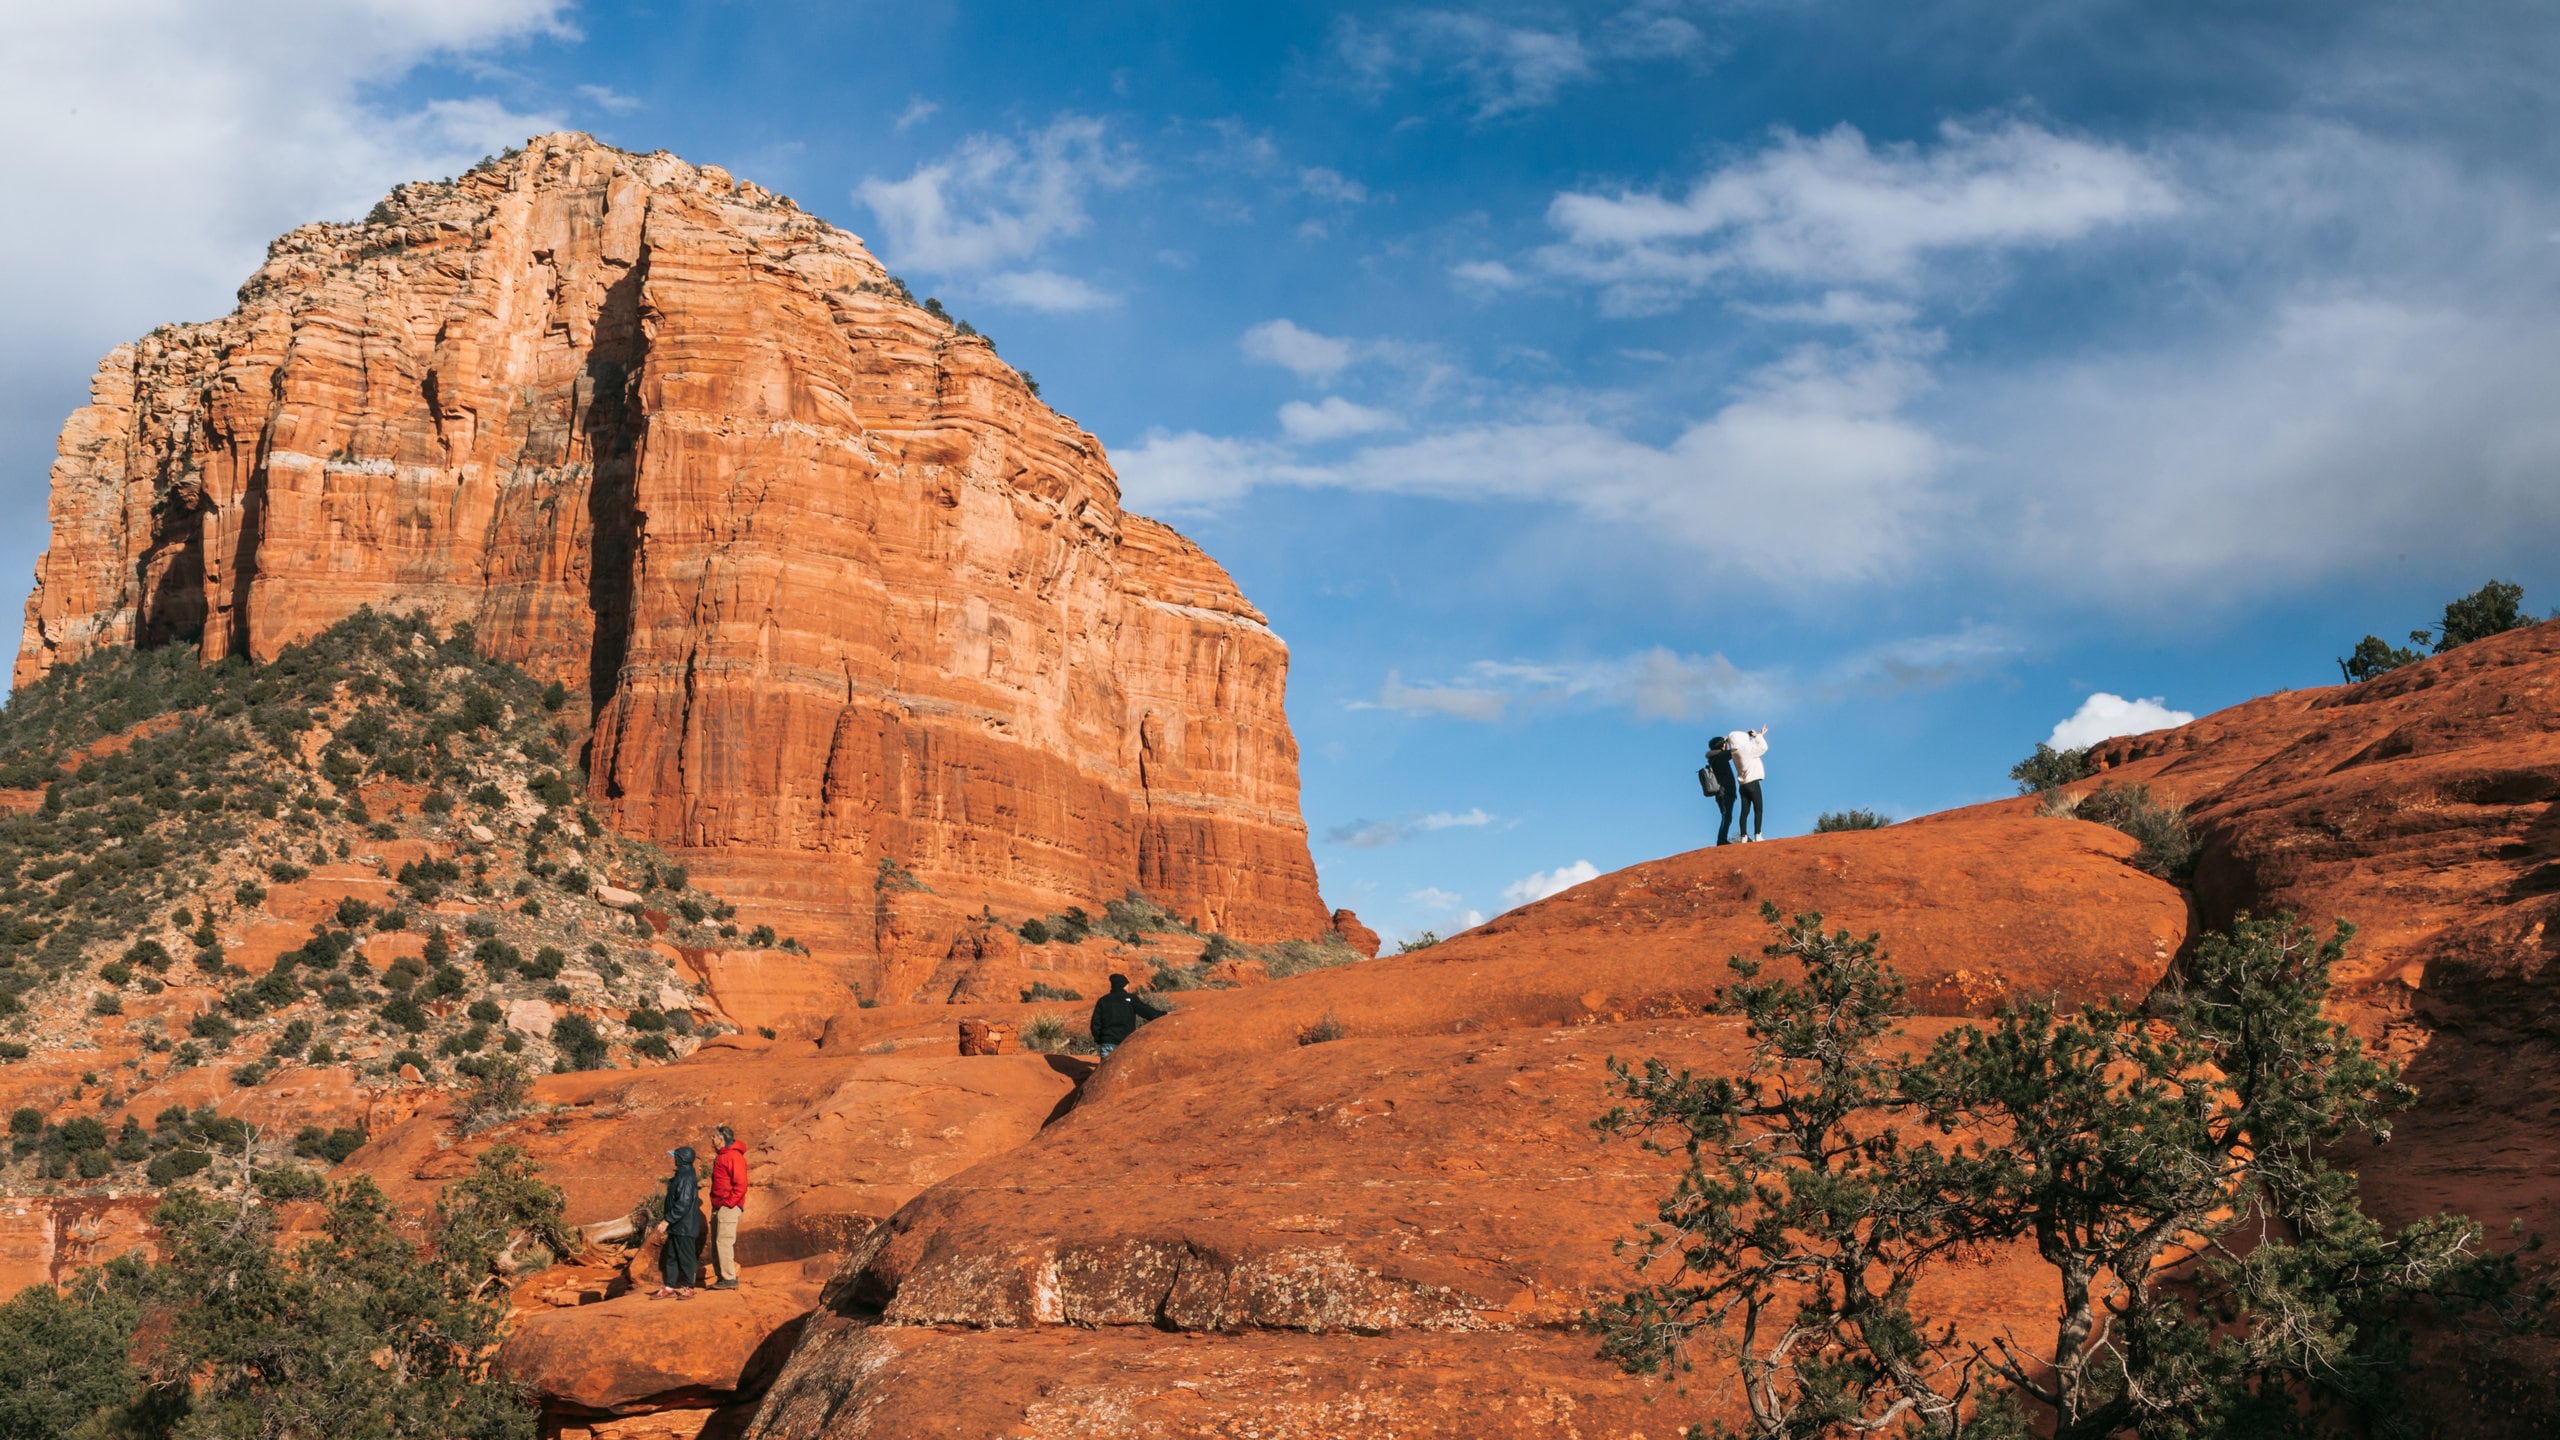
[{"x": 1708, "y": 785}]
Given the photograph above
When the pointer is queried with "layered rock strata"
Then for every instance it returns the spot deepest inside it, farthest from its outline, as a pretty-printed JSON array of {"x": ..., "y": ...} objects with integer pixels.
[{"x": 831, "y": 581}]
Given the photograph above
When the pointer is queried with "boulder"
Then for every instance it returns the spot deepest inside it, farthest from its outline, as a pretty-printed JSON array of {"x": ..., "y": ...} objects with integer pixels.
[
  {"x": 1359, "y": 936},
  {"x": 531, "y": 1017},
  {"x": 614, "y": 897},
  {"x": 635, "y": 1353}
]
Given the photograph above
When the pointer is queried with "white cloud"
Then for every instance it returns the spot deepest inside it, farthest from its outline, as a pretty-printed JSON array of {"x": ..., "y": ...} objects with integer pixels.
[
  {"x": 606, "y": 98},
  {"x": 1365, "y": 834},
  {"x": 1432, "y": 897},
  {"x": 158, "y": 145},
  {"x": 1332, "y": 419},
  {"x": 1486, "y": 274},
  {"x": 1456, "y": 701},
  {"x": 1376, "y": 834},
  {"x": 918, "y": 111},
  {"x": 998, "y": 199},
  {"x": 1333, "y": 185},
  {"x": 1833, "y": 209},
  {"x": 2103, "y": 717},
  {"x": 1507, "y": 68},
  {"x": 184, "y": 137},
  {"x": 1301, "y": 351},
  {"x": 1168, "y": 473},
  {"x": 1543, "y": 883},
  {"x": 1045, "y": 290},
  {"x": 1654, "y": 684}
]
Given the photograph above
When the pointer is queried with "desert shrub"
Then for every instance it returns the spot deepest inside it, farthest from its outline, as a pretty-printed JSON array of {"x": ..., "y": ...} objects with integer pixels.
[
  {"x": 499, "y": 1092},
  {"x": 2373, "y": 656},
  {"x": 575, "y": 1041},
  {"x": 2169, "y": 845},
  {"x": 1326, "y": 1029},
  {"x": 646, "y": 1019},
  {"x": 149, "y": 954},
  {"x": 1296, "y": 957},
  {"x": 314, "y": 1143},
  {"x": 761, "y": 937},
  {"x": 285, "y": 872},
  {"x": 253, "y": 1074},
  {"x": 1043, "y": 990},
  {"x": 656, "y": 1047},
  {"x": 486, "y": 1012},
  {"x": 403, "y": 1012},
  {"x": 893, "y": 877},
  {"x": 2049, "y": 768},
  {"x": 1218, "y": 948},
  {"x": 1134, "y": 917},
  {"x": 1423, "y": 941},
  {"x": 1034, "y": 932},
  {"x": 353, "y": 913},
  {"x": 2493, "y": 609},
  {"x": 1048, "y": 1034}
]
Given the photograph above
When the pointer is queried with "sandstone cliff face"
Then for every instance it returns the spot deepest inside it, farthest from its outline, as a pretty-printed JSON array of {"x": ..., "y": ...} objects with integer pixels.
[{"x": 831, "y": 581}]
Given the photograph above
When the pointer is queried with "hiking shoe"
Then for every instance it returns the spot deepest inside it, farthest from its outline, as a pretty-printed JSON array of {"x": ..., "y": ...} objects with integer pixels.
[{"x": 725, "y": 1285}]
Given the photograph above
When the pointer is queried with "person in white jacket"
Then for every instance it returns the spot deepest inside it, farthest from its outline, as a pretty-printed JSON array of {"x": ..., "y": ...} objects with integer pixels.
[{"x": 1747, "y": 747}]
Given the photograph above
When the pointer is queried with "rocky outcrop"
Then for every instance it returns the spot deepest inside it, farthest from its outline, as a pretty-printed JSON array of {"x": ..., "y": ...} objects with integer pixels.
[
  {"x": 1369, "y": 1198},
  {"x": 832, "y": 583}
]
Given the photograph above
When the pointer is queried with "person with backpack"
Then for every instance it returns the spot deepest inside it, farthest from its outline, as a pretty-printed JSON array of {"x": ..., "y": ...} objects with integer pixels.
[
  {"x": 1118, "y": 1015},
  {"x": 1716, "y": 778},
  {"x": 1746, "y": 747},
  {"x": 728, "y": 1204},
  {"x": 680, "y": 1255}
]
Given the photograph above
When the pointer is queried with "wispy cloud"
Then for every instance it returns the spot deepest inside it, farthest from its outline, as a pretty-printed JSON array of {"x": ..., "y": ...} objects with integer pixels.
[
  {"x": 1834, "y": 209},
  {"x": 1654, "y": 684},
  {"x": 918, "y": 111},
  {"x": 1507, "y": 67},
  {"x": 1660, "y": 683},
  {"x": 1333, "y": 185},
  {"x": 1828, "y": 419},
  {"x": 1375, "y": 834},
  {"x": 607, "y": 99},
  {"x": 1045, "y": 290},
  {"x": 1333, "y": 418},
  {"x": 998, "y": 200}
]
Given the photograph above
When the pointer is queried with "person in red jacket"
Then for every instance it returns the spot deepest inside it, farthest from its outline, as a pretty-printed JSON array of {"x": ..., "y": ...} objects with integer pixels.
[{"x": 728, "y": 1204}]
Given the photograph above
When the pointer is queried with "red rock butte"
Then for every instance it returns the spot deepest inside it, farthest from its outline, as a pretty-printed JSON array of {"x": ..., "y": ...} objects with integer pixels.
[{"x": 831, "y": 581}]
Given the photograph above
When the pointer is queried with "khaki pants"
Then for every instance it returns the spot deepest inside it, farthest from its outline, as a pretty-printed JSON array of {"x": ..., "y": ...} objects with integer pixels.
[{"x": 724, "y": 1238}]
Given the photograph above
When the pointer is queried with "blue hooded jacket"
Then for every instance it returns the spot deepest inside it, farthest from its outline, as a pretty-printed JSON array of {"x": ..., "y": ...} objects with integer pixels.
[{"x": 684, "y": 1203}]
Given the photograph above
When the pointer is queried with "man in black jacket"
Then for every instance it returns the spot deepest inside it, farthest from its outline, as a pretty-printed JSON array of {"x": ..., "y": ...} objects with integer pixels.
[
  {"x": 1118, "y": 1015},
  {"x": 680, "y": 1256}
]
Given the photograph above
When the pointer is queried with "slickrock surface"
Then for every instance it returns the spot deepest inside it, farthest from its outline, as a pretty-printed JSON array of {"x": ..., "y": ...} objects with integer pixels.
[
  {"x": 634, "y": 1354},
  {"x": 835, "y": 1143},
  {"x": 833, "y": 583},
  {"x": 1973, "y": 912},
  {"x": 1236, "y": 1232}
]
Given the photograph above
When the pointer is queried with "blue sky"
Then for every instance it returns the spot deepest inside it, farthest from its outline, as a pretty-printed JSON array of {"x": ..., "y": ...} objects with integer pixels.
[{"x": 1567, "y": 382}]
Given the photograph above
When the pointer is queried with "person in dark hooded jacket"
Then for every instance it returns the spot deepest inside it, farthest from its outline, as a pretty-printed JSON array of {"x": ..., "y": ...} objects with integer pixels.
[
  {"x": 1118, "y": 1015},
  {"x": 680, "y": 1258}
]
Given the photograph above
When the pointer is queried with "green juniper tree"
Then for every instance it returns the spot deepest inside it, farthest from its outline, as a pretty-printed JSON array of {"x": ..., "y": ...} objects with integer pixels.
[{"x": 2217, "y": 1276}]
